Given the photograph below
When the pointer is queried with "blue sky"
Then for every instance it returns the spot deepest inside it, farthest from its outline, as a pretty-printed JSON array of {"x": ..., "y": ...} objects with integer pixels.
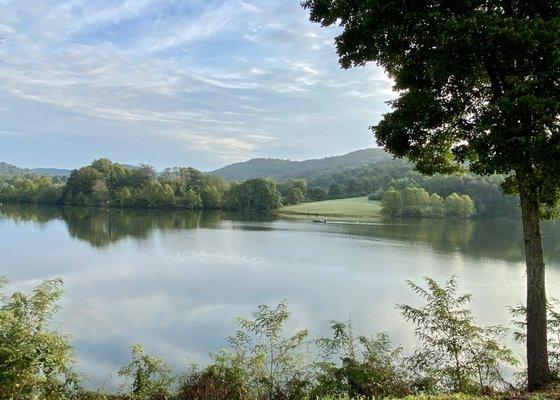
[{"x": 177, "y": 82}]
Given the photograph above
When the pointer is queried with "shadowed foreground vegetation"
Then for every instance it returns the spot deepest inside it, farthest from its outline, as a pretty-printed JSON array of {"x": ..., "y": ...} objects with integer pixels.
[{"x": 455, "y": 359}]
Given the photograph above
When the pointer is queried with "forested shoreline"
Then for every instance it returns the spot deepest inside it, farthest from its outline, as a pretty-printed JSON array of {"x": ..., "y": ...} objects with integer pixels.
[{"x": 108, "y": 184}]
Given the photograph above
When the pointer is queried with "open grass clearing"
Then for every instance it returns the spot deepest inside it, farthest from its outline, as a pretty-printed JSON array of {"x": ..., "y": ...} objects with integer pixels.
[{"x": 340, "y": 209}]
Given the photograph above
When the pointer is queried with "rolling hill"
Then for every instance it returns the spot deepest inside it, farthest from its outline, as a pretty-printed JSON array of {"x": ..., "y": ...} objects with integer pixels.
[
  {"x": 281, "y": 169},
  {"x": 12, "y": 170}
]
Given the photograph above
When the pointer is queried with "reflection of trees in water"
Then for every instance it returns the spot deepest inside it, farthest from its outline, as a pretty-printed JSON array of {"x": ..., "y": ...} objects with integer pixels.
[
  {"x": 101, "y": 227},
  {"x": 493, "y": 239},
  {"x": 38, "y": 214}
]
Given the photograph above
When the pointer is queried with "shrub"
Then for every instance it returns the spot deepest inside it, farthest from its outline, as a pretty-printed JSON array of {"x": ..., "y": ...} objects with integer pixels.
[
  {"x": 149, "y": 377},
  {"x": 362, "y": 367},
  {"x": 274, "y": 361},
  {"x": 456, "y": 354},
  {"x": 35, "y": 361}
]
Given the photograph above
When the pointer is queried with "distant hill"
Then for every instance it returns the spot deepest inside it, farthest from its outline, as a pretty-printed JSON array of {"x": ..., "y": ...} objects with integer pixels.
[
  {"x": 11, "y": 170},
  {"x": 283, "y": 169},
  {"x": 256, "y": 168},
  {"x": 51, "y": 171}
]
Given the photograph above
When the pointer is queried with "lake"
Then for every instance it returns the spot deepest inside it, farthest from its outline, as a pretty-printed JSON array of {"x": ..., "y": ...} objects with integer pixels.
[{"x": 175, "y": 281}]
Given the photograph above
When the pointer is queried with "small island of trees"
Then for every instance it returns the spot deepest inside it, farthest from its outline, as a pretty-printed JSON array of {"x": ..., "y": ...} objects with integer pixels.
[{"x": 417, "y": 202}]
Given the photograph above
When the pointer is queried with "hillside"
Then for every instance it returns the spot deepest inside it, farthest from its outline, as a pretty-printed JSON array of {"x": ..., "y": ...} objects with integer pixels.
[
  {"x": 11, "y": 170},
  {"x": 280, "y": 169}
]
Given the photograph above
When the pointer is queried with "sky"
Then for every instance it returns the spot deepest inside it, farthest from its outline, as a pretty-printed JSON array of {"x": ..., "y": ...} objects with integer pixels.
[{"x": 202, "y": 83}]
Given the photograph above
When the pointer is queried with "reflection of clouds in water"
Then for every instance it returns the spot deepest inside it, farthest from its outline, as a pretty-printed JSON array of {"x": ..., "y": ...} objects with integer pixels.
[
  {"x": 186, "y": 305},
  {"x": 177, "y": 289}
]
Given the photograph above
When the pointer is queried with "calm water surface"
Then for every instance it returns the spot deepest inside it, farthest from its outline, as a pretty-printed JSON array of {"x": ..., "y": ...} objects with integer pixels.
[{"x": 174, "y": 281}]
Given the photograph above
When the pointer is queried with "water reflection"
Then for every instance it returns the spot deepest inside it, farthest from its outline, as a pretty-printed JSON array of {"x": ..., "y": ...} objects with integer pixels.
[
  {"x": 103, "y": 227},
  {"x": 493, "y": 239}
]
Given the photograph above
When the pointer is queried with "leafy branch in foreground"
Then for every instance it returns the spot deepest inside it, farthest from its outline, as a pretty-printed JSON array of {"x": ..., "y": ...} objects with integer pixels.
[
  {"x": 35, "y": 361},
  {"x": 456, "y": 354},
  {"x": 277, "y": 361},
  {"x": 359, "y": 366},
  {"x": 150, "y": 376}
]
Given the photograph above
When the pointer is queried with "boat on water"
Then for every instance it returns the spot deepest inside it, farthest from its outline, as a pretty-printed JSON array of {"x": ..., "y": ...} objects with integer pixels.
[{"x": 320, "y": 221}]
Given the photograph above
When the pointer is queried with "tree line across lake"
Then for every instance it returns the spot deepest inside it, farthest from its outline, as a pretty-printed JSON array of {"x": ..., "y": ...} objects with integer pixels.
[{"x": 104, "y": 183}]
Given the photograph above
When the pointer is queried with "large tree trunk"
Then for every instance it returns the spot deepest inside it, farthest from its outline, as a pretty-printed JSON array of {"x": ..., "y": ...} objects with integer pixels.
[{"x": 537, "y": 354}]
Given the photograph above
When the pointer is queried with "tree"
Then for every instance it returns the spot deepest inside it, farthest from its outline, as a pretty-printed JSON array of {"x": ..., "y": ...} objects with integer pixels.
[
  {"x": 82, "y": 181},
  {"x": 335, "y": 190},
  {"x": 295, "y": 196},
  {"x": 478, "y": 86},
  {"x": 392, "y": 203},
  {"x": 459, "y": 206},
  {"x": 436, "y": 205},
  {"x": 253, "y": 194}
]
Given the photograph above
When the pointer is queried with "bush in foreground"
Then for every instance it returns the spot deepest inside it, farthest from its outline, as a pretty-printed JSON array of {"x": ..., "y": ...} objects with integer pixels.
[{"x": 265, "y": 361}]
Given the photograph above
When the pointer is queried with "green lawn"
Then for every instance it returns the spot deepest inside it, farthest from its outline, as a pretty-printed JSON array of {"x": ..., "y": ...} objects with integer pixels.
[{"x": 349, "y": 209}]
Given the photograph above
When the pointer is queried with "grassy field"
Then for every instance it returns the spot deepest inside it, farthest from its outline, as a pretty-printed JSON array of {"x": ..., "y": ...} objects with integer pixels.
[{"x": 357, "y": 208}]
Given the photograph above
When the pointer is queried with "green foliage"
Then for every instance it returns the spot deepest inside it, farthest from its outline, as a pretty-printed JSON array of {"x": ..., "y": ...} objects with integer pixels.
[
  {"x": 416, "y": 202},
  {"x": 108, "y": 184},
  {"x": 35, "y": 361},
  {"x": 275, "y": 361},
  {"x": 360, "y": 367},
  {"x": 459, "y": 206},
  {"x": 29, "y": 189},
  {"x": 266, "y": 362},
  {"x": 293, "y": 191},
  {"x": 227, "y": 378},
  {"x": 150, "y": 378},
  {"x": 477, "y": 82},
  {"x": 375, "y": 178},
  {"x": 253, "y": 194},
  {"x": 456, "y": 354},
  {"x": 392, "y": 203}
]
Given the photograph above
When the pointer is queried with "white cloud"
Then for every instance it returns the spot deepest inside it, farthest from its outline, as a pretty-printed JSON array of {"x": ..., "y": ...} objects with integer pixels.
[{"x": 227, "y": 79}]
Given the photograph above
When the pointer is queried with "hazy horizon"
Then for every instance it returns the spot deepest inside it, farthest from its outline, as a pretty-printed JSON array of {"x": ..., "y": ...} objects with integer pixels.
[
  {"x": 34, "y": 167},
  {"x": 177, "y": 83}
]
